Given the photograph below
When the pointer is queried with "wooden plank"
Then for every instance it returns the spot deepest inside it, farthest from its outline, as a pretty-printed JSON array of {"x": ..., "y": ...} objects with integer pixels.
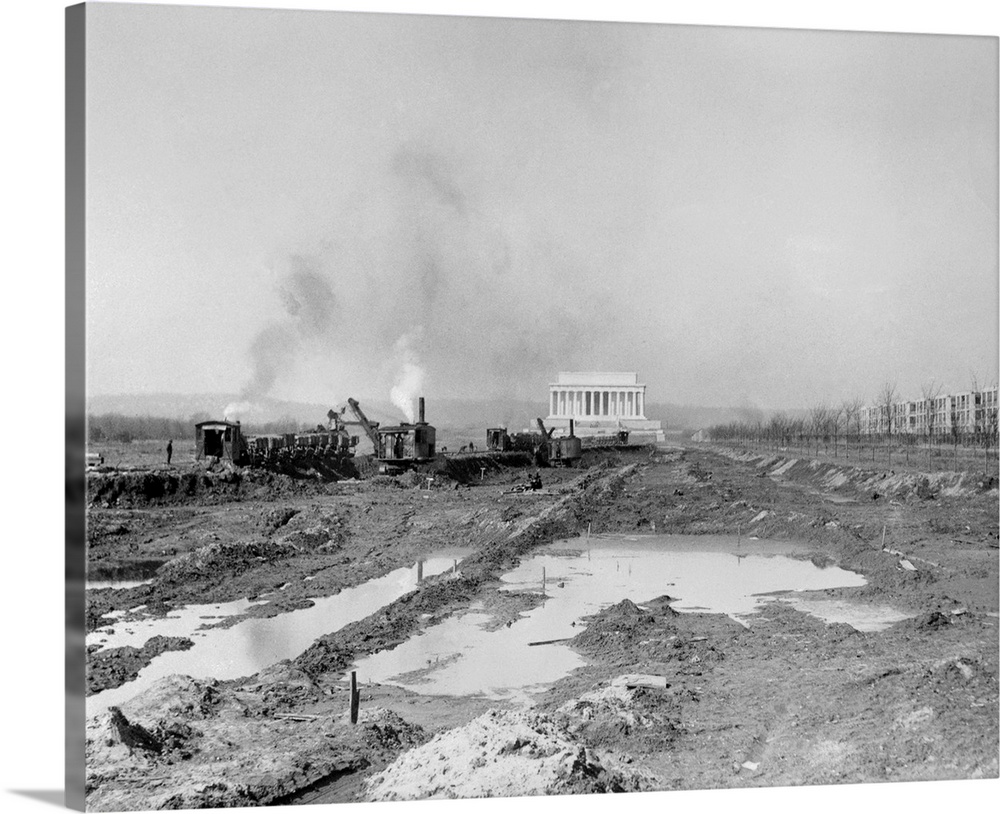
[{"x": 355, "y": 697}]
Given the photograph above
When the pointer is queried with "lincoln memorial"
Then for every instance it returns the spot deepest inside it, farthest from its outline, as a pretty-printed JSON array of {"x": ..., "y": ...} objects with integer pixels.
[{"x": 600, "y": 402}]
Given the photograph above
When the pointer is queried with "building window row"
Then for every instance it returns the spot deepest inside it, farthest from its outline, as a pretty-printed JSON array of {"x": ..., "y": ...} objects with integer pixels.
[{"x": 943, "y": 415}]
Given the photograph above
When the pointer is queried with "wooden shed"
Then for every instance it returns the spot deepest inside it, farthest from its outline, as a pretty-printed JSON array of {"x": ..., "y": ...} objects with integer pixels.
[{"x": 219, "y": 439}]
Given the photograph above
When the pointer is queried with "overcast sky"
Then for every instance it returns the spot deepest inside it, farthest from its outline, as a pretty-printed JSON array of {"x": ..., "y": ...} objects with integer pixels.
[{"x": 311, "y": 205}]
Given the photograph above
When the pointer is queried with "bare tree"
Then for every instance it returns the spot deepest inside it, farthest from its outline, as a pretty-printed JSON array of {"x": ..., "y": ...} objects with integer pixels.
[
  {"x": 987, "y": 406},
  {"x": 930, "y": 392},
  {"x": 992, "y": 426},
  {"x": 777, "y": 428},
  {"x": 795, "y": 429},
  {"x": 886, "y": 401},
  {"x": 975, "y": 408},
  {"x": 852, "y": 415},
  {"x": 955, "y": 428},
  {"x": 818, "y": 418},
  {"x": 835, "y": 421}
]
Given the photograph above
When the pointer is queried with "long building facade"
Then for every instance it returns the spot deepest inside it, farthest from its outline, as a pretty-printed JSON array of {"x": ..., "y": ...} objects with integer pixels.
[
  {"x": 599, "y": 403},
  {"x": 971, "y": 413}
]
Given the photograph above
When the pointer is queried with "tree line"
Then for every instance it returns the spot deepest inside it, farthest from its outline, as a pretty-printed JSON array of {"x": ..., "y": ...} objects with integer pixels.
[
  {"x": 124, "y": 429},
  {"x": 844, "y": 429}
]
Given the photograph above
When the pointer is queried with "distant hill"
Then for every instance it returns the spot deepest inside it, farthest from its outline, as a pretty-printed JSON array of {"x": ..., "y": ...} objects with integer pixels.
[
  {"x": 199, "y": 406},
  {"x": 457, "y": 413},
  {"x": 690, "y": 417}
]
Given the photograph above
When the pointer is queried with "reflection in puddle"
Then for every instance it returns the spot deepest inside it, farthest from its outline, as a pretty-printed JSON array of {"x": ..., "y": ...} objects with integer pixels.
[
  {"x": 704, "y": 574},
  {"x": 460, "y": 657},
  {"x": 253, "y": 644}
]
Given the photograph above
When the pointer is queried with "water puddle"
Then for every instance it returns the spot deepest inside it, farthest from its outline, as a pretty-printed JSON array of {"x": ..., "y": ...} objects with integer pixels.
[
  {"x": 705, "y": 574},
  {"x": 181, "y": 622},
  {"x": 138, "y": 572},
  {"x": 866, "y": 618},
  {"x": 116, "y": 584},
  {"x": 251, "y": 645}
]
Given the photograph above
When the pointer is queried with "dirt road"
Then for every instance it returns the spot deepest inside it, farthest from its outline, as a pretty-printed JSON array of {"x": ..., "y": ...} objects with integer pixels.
[{"x": 782, "y": 698}]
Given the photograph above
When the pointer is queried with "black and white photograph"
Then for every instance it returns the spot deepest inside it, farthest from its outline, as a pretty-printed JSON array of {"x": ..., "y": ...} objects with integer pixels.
[{"x": 507, "y": 407}]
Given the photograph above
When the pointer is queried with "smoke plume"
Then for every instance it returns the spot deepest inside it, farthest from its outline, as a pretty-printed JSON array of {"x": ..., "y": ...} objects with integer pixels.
[
  {"x": 309, "y": 307},
  {"x": 433, "y": 281},
  {"x": 237, "y": 410},
  {"x": 410, "y": 376}
]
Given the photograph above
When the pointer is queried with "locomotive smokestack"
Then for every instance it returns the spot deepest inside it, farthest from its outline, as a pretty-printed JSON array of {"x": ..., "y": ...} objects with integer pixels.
[
  {"x": 420, "y": 410},
  {"x": 571, "y": 428}
]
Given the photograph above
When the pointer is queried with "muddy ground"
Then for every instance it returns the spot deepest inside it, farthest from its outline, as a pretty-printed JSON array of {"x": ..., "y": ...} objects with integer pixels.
[{"x": 785, "y": 700}]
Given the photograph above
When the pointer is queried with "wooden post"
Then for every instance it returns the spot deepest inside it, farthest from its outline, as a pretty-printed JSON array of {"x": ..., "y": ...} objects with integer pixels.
[
  {"x": 355, "y": 697},
  {"x": 883, "y": 536},
  {"x": 420, "y": 571},
  {"x": 543, "y": 579}
]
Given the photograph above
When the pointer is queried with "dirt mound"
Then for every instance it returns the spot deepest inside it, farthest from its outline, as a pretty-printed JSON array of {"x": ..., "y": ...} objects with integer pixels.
[
  {"x": 384, "y": 731},
  {"x": 207, "y": 749},
  {"x": 118, "y": 665},
  {"x": 274, "y": 519},
  {"x": 661, "y": 605},
  {"x": 133, "y": 737},
  {"x": 513, "y": 754},
  {"x": 469, "y": 468},
  {"x": 149, "y": 486},
  {"x": 616, "y": 628},
  {"x": 315, "y": 528},
  {"x": 208, "y": 485},
  {"x": 278, "y": 687},
  {"x": 647, "y": 719},
  {"x": 222, "y": 558}
]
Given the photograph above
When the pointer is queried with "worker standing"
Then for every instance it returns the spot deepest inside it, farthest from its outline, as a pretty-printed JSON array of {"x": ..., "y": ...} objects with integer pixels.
[{"x": 170, "y": 450}]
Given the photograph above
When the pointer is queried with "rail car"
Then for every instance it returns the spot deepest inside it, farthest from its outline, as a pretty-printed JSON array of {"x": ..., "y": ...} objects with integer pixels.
[{"x": 224, "y": 440}]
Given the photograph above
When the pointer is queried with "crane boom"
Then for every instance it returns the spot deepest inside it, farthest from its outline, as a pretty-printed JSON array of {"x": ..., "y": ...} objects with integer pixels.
[{"x": 366, "y": 425}]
